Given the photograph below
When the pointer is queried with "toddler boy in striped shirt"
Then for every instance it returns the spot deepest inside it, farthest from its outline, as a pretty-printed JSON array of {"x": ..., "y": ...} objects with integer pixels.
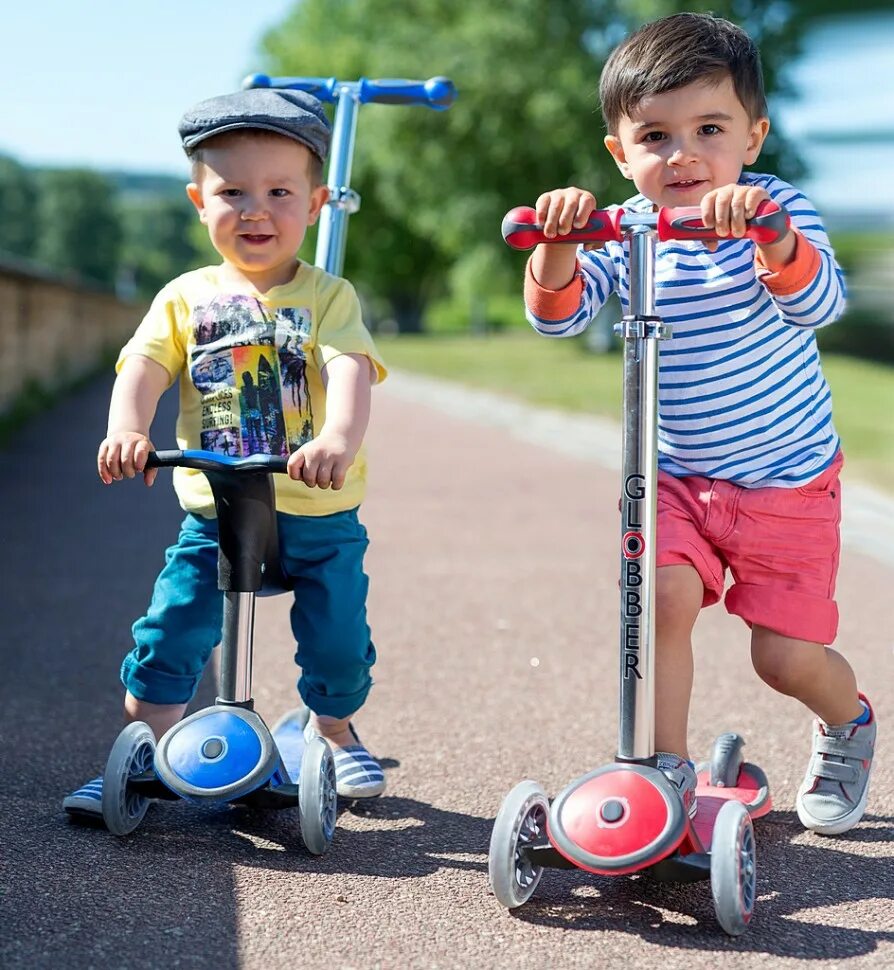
[{"x": 748, "y": 454}]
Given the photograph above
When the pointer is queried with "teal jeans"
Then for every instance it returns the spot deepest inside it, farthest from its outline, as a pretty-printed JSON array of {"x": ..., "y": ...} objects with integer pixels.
[{"x": 324, "y": 555}]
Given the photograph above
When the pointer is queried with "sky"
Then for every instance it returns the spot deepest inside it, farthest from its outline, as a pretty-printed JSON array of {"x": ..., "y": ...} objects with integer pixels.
[
  {"x": 103, "y": 84},
  {"x": 844, "y": 120}
]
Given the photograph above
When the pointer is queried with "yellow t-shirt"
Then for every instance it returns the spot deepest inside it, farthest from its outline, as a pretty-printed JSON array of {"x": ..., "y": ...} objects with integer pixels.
[{"x": 250, "y": 367}]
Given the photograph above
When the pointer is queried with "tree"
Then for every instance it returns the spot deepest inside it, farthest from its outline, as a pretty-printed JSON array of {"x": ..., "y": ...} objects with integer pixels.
[
  {"x": 79, "y": 224},
  {"x": 435, "y": 185},
  {"x": 18, "y": 231},
  {"x": 157, "y": 244}
]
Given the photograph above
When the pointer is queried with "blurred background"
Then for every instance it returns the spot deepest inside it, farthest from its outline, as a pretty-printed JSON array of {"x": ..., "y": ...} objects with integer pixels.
[{"x": 92, "y": 175}]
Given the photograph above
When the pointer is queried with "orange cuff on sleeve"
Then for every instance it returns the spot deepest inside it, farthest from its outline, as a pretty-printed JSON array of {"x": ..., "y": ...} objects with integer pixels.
[
  {"x": 553, "y": 304},
  {"x": 794, "y": 276}
]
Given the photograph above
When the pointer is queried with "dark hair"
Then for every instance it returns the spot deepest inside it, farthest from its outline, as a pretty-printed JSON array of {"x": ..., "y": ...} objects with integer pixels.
[
  {"x": 675, "y": 51},
  {"x": 197, "y": 158}
]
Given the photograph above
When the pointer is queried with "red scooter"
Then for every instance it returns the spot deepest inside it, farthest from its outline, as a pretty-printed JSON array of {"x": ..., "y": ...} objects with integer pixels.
[{"x": 626, "y": 817}]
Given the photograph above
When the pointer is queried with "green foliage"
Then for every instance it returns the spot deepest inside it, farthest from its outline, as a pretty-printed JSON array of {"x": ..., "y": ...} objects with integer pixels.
[
  {"x": 119, "y": 228},
  {"x": 18, "y": 193},
  {"x": 498, "y": 313},
  {"x": 80, "y": 228},
  {"x": 859, "y": 334},
  {"x": 157, "y": 245},
  {"x": 435, "y": 185}
]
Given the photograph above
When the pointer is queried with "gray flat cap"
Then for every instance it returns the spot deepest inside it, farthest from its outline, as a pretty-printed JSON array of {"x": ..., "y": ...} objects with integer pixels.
[{"x": 294, "y": 114}]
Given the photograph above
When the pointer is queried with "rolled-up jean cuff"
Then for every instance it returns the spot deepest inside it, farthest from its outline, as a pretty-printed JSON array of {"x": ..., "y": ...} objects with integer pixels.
[
  {"x": 787, "y": 612},
  {"x": 342, "y": 705},
  {"x": 157, "y": 686}
]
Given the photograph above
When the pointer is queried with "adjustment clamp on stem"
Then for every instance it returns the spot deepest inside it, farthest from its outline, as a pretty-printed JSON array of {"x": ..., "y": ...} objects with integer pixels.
[
  {"x": 344, "y": 198},
  {"x": 643, "y": 327}
]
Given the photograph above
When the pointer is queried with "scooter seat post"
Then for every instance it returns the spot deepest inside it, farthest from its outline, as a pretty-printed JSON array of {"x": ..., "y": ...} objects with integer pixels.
[{"x": 236, "y": 650}]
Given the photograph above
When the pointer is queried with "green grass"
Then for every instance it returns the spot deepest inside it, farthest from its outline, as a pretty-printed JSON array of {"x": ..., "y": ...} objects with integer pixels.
[{"x": 559, "y": 374}]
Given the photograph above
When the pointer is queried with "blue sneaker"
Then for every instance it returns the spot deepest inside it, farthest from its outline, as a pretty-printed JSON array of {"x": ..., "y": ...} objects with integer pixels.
[
  {"x": 357, "y": 773},
  {"x": 86, "y": 802}
]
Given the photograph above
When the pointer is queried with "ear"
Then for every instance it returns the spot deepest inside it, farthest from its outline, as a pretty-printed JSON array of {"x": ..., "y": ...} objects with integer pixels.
[
  {"x": 756, "y": 137},
  {"x": 616, "y": 150},
  {"x": 195, "y": 196},
  {"x": 318, "y": 198}
]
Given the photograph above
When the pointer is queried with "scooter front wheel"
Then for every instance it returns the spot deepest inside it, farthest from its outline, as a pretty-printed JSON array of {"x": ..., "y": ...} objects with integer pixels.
[
  {"x": 520, "y": 822},
  {"x": 733, "y": 868},
  {"x": 317, "y": 798},
  {"x": 132, "y": 754}
]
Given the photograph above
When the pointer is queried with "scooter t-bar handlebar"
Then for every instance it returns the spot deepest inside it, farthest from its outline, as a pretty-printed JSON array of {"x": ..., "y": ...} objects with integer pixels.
[
  {"x": 437, "y": 92},
  {"x": 209, "y": 461},
  {"x": 520, "y": 229}
]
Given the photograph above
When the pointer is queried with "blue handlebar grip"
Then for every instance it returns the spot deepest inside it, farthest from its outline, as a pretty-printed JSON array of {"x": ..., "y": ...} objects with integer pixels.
[
  {"x": 437, "y": 92},
  {"x": 256, "y": 81},
  {"x": 324, "y": 88}
]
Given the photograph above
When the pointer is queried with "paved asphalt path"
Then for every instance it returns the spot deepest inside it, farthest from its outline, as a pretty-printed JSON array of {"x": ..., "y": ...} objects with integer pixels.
[{"x": 494, "y": 604}]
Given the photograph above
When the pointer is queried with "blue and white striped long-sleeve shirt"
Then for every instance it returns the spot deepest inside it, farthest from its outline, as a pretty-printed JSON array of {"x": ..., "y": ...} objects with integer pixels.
[{"x": 742, "y": 396}]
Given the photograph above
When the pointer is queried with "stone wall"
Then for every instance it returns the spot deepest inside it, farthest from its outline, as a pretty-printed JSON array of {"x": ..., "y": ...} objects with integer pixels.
[{"x": 55, "y": 330}]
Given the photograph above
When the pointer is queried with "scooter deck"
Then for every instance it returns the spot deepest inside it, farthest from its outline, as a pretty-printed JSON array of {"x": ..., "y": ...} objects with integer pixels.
[{"x": 750, "y": 789}]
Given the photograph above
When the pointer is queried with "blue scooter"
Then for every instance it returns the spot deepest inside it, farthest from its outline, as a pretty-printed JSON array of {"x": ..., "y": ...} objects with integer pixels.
[{"x": 226, "y": 753}]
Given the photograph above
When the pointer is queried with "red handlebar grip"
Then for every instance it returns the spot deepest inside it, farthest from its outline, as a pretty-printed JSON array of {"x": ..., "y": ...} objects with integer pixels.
[
  {"x": 521, "y": 231},
  {"x": 770, "y": 224}
]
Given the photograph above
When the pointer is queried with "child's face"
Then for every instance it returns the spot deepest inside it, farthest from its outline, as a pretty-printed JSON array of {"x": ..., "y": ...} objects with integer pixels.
[
  {"x": 256, "y": 198},
  {"x": 680, "y": 145}
]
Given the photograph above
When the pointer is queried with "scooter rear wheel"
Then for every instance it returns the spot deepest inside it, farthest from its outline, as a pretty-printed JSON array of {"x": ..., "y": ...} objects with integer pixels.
[
  {"x": 733, "y": 868},
  {"x": 521, "y": 821}
]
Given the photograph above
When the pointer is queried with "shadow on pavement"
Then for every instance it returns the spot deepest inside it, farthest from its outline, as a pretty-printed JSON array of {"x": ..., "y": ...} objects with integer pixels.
[
  {"x": 79, "y": 563},
  {"x": 802, "y": 881},
  {"x": 393, "y": 838},
  {"x": 82, "y": 561}
]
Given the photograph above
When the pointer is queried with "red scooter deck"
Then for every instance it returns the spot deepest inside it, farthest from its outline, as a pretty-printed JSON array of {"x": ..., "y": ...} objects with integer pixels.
[{"x": 751, "y": 790}]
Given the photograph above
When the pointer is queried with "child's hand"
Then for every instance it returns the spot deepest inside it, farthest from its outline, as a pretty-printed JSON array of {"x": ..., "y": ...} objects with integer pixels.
[
  {"x": 562, "y": 210},
  {"x": 725, "y": 210},
  {"x": 123, "y": 454},
  {"x": 323, "y": 462},
  {"x": 558, "y": 212}
]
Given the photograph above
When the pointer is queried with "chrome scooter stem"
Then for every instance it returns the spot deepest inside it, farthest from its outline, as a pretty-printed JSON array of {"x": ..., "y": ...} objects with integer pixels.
[
  {"x": 343, "y": 201},
  {"x": 641, "y": 330}
]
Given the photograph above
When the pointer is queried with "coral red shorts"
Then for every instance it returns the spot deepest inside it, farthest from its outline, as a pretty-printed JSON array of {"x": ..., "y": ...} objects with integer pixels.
[{"x": 781, "y": 546}]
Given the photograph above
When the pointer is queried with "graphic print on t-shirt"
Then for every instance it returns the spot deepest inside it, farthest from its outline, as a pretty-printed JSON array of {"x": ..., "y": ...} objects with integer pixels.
[{"x": 250, "y": 367}]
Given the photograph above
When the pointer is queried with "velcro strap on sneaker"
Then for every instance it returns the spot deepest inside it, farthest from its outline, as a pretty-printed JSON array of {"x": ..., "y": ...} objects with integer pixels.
[
  {"x": 833, "y": 770},
  {"x": 841, "y": 748}
]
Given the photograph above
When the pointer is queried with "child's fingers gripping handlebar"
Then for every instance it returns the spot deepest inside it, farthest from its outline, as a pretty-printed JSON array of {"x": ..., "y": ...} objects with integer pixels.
[
  {"x": 437, "y": 92},
  {"x": 209, "y": 461},
  {"x": 769, "y": 224},
  {"x": 520, "y": 229}
]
